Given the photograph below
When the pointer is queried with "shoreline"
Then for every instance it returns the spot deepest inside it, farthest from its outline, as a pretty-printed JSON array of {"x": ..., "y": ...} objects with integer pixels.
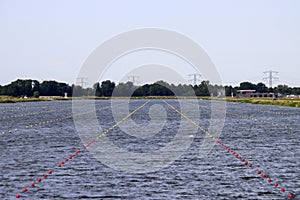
[{"x": 295, "y": 103}]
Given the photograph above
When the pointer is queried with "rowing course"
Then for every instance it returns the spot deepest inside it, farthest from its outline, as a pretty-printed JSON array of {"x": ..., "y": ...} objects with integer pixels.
[{"x": 32, "y": 152}]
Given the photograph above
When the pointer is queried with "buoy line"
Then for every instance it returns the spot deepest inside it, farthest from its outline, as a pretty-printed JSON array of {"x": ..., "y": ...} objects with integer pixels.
[
  {"x": 238, "y": 156},
  {"x": 13, "y": 130},
  {"x": 264, "y": 111},
  {"x": 65, "y": 161},
  {"x": 21, "y": 109},
  {"x": 244, "y": 117},
  {"x": 36, "y": 113}
]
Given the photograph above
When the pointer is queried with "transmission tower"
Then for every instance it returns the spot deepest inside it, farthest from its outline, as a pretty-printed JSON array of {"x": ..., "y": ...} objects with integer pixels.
[
  {"x": 133, "y": 79},
  {"x": 82, "y": 81},
  {"x": 194, "y": 78},
  {"x": 270, "y": 76}
]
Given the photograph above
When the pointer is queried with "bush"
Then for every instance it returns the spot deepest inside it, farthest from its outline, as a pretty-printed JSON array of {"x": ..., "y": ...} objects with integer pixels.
[{"x": 36, "y": 94}]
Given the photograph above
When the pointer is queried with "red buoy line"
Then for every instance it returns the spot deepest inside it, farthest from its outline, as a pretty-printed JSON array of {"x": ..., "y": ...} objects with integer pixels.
[
  {"x": 244, "y": 161},
  {"x": 57, "y": 119},
  {"x": 68, "y": 159},
  {"x": 245, "y": 117}
]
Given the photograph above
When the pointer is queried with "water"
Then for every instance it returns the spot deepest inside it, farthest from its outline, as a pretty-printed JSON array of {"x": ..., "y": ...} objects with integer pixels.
[{"x": 28, "y": 153}]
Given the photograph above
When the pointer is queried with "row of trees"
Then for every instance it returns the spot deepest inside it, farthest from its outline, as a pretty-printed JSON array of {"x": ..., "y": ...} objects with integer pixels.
[
  {"x": 262, "y": 88},
  {"x": 31, "y": 88},
  {"x": 107, "y": 88}
]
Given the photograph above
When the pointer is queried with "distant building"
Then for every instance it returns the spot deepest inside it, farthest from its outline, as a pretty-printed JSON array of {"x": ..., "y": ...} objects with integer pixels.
[{"x": 254, "y": 94}]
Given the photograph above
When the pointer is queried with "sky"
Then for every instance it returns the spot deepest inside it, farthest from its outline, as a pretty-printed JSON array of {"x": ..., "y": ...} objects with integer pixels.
[{"x": 50, "y": 40}]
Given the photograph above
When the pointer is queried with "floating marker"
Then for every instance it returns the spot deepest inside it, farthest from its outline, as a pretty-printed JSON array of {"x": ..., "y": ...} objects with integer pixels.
[
  {"x": 276, "y": 184},
  {"x": 264, "y": 176},
  {"x": 25, "y": 189},
  {"x": 291, "y": 196},
  {"x": 258, "y": 172},
  {"x": 39, "y": 180},
  {"x": 282, "y": 189},
  {"x": 18, "y": 196},
  {"x": 45, "y": 175},
  {"x": 269, "y": 180},
  {"x": 32, "y": 184},
  {"x": 50, "y": 171}
]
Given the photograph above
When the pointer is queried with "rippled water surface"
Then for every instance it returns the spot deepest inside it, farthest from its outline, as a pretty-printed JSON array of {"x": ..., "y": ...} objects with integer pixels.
[{"x": 37, "y": 136}]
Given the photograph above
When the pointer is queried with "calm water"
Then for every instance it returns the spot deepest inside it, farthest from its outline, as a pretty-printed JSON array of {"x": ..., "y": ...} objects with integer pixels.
[{"x": 28, "y": 153}]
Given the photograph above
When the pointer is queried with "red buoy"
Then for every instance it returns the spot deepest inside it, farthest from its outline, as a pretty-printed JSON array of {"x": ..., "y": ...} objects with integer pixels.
[
  {"x": 269, "y": 180},
  {"x": 32, "y": 184},
  {"x": 25, "y": 189},
  {"x": 62, "y": 162},
  {"x": 45, "y": 175},
  {"x": 18, "y": 196},
  {"x": 264, "y": 176},
  {"x": 258, "y": 172},
  {"x": 39, "y": 180},
  {"x": 282, "y": 189},
  {"x": 59, "y": 165},
  {"x": 50, "y": 171},
  {"x": 246, "y": 163},
  {"x": 291, "y": 196},
  {"x": 250, "y": 165},
  {"x": 276, "y": 184}
]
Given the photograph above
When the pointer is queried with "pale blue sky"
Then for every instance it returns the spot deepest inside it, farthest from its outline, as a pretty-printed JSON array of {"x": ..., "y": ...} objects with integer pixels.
[{"x": 51, "y": 39}]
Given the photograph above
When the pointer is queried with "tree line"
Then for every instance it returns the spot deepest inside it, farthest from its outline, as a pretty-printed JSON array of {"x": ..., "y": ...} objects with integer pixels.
[{"x": 33, "y": 88}]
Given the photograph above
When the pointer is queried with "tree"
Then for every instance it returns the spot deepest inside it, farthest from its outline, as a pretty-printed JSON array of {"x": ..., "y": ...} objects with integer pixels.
[
  {"x": 142, "y": 91},
  {"x": 229, "y": 90},
  {"x": 247, "y": 86},
  {"x": 202, "y": 89},
  {"x": 283, "y": 89},
  {"x": 262, "y": 88},
  {"x": 36, "y": 94},
  {"x": 77, "y": 91},
  {"x": 107, "y": 88},
  {"x": 97, "y": 89},
  {"x": 124, "y": 89}
]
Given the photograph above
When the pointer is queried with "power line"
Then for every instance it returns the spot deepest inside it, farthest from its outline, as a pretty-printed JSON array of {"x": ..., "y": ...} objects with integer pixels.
[
  {"x": 82, "y": 81},
  {"x": 270, "y": 76},
  {"x": 195, "y": 78},
  {"x": 133, "y": 79}
]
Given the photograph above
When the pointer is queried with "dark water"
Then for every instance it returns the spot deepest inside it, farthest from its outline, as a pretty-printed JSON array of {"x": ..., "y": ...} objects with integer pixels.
[{"x": 28, "y": 153}]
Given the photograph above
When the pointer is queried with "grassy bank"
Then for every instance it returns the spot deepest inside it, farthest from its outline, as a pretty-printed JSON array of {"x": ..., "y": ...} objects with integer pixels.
[
  {"x": 263, "y": 101},
  {"x": 279, "y": 102},
  {"x": 16, "y": 100}
]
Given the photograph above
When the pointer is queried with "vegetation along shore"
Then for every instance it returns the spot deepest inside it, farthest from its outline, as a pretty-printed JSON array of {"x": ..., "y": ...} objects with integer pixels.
[{"x": 32, "y": 90}]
